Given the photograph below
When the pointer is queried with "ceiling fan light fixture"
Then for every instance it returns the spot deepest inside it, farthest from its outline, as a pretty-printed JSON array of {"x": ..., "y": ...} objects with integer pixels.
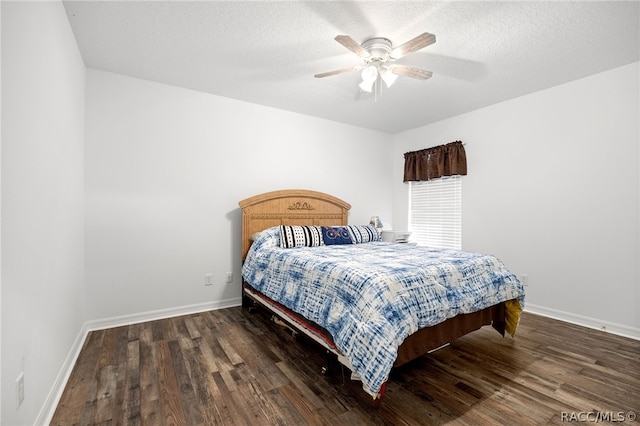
[
  {"x": 366, "y": 86},
  {"x": 369, "y": 77},
  {"x": 379, "y": 54},
  {"x": 369, "y": 74},
  {"x": 388, "y": 76}
]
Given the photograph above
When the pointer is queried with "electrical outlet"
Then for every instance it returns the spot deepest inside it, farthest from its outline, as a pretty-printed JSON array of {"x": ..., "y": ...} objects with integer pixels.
[
  {"x": 20, "y": 390},
  {"x": 524, "y": 279},
  {"x": 208, "y": 279},
  {"x": 228, "y": 277}
]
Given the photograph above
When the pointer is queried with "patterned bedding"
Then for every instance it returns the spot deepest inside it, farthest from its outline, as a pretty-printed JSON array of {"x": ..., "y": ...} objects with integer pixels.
[{"x": 371, "y": 296}]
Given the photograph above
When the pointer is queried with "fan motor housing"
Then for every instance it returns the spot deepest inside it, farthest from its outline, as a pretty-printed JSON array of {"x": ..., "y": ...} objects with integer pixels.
[{"x": 378, "y": 48}]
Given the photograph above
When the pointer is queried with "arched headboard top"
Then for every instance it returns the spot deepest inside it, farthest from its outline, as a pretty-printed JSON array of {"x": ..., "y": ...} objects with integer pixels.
[{"x": 290, "y": 207}]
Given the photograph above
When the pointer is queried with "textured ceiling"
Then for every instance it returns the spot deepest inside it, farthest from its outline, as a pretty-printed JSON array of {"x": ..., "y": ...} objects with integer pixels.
[{"x": 267, "y": 52}]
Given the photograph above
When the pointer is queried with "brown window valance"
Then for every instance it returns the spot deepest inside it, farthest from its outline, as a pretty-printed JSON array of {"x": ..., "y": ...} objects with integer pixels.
[{"x": 435, "y": 162}]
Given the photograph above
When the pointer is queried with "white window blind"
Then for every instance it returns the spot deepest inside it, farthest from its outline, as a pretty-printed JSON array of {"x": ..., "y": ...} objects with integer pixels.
[{"x": 435, "y": 212}]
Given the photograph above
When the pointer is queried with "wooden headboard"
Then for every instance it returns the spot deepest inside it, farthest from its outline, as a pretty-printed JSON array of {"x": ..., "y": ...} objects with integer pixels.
[{"x": 290, "y": 207}]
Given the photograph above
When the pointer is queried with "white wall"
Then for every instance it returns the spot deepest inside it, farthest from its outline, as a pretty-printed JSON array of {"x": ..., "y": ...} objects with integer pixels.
[
  {"x": 0, "y": 214},
  {"x": 553, "y": 190},
  {"x": 42, "y": 201},
  {"x": 165, "y": 169}
]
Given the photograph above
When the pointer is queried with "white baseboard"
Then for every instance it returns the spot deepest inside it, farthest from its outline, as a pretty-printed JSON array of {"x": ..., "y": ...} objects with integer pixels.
[
  {"x": 584, "y": 321},
  {"x": 49, "y": 407},
  {"x": 161, "y": 313},
  {"x": 55, "y": 393}
]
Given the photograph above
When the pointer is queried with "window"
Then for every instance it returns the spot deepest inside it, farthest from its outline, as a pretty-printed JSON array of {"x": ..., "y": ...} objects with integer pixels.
[{"x": 435, "y": 212}]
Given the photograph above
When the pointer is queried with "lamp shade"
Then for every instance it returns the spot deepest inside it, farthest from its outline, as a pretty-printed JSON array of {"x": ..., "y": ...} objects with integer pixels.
[
  {"x": 369, "y": 77},
  {"x": 370, "y": 73},
  {"x": 388, "y": 76},
  {"x": 366, "y": 86},
  {"x": 376, "y": 222}
]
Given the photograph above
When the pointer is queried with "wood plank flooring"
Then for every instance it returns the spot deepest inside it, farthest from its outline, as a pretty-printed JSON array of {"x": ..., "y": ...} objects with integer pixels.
[{"x": 233, "y": 367}]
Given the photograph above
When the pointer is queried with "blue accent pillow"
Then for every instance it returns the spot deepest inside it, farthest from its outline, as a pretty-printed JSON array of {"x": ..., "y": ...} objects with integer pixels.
[{"x": 336, "y": 235}]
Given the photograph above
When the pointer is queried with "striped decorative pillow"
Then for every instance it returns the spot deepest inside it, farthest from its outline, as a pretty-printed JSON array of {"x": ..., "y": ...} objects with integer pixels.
[
  {"x": 300, "y": 236},
  {"x": 364, "y": 234}
]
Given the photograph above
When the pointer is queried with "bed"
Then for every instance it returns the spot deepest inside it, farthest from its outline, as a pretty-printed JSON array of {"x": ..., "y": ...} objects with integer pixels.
[{"x": 374, "y": 305}]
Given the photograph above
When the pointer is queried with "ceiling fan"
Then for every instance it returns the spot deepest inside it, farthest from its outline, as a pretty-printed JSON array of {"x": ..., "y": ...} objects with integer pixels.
[{"x": 379, "y": 56}]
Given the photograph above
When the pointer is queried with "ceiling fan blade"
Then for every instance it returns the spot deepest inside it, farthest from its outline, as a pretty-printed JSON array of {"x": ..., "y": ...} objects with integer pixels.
[
  {"x": 412, "y": 72},
  {"x": 417, "y": 43},
  {"x": 341, "y": 71},
  {"x": 352, "y": 45}
]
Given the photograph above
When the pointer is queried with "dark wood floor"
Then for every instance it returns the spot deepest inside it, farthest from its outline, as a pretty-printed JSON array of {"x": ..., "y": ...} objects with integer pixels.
[{"x": 234, "y": 367}]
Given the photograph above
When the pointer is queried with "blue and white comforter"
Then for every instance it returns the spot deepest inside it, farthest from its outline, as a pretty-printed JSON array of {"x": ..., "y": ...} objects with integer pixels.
[{"x": 371, "y": 296}]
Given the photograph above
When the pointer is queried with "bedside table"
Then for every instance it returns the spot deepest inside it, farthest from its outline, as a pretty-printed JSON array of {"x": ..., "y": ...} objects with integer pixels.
[{"x": 396, "y": 236}]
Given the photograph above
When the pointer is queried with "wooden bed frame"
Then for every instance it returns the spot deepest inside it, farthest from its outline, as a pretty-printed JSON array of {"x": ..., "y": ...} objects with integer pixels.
[
  {"x": 290, "y": 207},
  {"x": 305, "y": 207}
]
